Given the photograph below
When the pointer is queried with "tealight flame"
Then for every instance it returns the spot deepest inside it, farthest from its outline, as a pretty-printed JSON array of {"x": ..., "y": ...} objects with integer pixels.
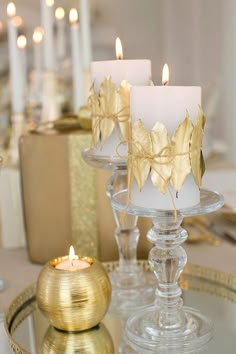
[
  {"x": 50, "y": 3},
  {"x": 165, "y": 75},
  {"x": 11, "y": 9},
  {"x": 21, "y": 41},
  {"x": 71, "y": 253},
  {"x": 38, "y": 35},
  {"x": 59, "y": 13},
  {"x": 119, "y": 50},
  {"x": 73, "y": 16}
]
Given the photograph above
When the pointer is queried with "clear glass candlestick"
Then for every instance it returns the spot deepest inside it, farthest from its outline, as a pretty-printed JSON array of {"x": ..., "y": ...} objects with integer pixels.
[
  {"x": 168, "y": 326},
  {"x": 132, "y": 287}
]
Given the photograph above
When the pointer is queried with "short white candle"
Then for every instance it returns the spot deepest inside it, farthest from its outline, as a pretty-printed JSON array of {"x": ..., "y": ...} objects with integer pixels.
[
  {"x": 85, "y": 33},
  {"x": 136, "y": 72},
  {"x": 77, "y": 74},
  {"x": 73, "y": 263},
  {"x": 48, "y": 42},
  {"x": 17, "y": 102},
  {"x": 167, "y": 105},
  {"x": 60, "y": 24}
]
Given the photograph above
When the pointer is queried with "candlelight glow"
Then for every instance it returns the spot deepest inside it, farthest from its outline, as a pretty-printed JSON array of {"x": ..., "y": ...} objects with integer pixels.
[
  {"x": 165, "y": 75},
  {"x": 38, "y": 35},
  {"x": 1, "y": 26},
  {"x": 119, "y": 50},
  {"x": 11, "y": 9},
  {"x": 71, "y": 253},
  {"x": 21, "y": 41},
  {"x": 59, "y": 13},
  {"x": 50, "y": 3},
  {"x": 17, "y": 21},
  {"x": 73, "y": 16}
]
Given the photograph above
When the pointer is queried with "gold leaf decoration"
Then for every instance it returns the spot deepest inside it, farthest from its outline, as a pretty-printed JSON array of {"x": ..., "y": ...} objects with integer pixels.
[
  {"x": 141, "y": 150},
  {"x": 181, "y": 166},
  {"x": 197, "y": 161},
  {"x": 110, "y": 110},
  {"x": 161, "y": 166}
]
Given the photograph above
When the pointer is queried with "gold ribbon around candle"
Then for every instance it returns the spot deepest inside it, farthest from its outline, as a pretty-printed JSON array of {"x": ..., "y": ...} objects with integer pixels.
[
  {"x": 110, "y": 110},
  {"x": 167, "y": 160}
]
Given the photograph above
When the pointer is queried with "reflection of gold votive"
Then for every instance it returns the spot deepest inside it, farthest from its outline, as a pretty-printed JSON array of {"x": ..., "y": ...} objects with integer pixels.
[
  {"x": 73, "y": 300},
  {"x": 93, "y": 341}
]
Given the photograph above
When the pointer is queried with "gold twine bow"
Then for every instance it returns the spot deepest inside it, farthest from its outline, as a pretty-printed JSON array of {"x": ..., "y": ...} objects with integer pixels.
[{"x": 108, "y": 108}]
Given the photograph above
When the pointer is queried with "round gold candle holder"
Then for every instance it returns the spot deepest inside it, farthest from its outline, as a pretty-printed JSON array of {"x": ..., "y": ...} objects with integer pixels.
[
  {"x": 93, "y": 341},
  {"x": 73, "y": 300}
]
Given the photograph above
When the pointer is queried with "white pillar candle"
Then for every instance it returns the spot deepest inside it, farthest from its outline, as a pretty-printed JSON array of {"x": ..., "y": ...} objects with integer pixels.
[
  {"x": 48, "y": 43},
  {"x": 85, "y": 33},
  {"x": 17, "y": 102},
  {"x": 22, "y": 44},
  {"x": 60, "y": 24},
  {"x": 136, "y": 72},
  {"x": 77, "y": 74},
  {"x": 167, "y": 105}
]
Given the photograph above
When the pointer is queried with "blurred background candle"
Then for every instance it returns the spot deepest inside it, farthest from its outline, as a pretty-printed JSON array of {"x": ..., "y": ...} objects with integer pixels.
[
  {"x": 77, "y": 74},
  {"x": 136, "y": 72},
  {"x": 22, "y": 46},
  {"x": 60, "y": 25},
  {"x": 17, "y": 104},
  {"x": 85, "y": 33},
  {"x": 48, "y": 41},
  {"x": 167, "y": 105},
  {"x": 37, "y": 40}
]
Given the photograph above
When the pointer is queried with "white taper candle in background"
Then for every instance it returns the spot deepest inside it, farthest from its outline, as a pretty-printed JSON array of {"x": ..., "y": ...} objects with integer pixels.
[
  {"x": 167, "y": 105},
  {"x": 77, "y": 74},
  {"x": 22, "y": 46},
  {"x": 47, "y": 18},
  {"x": 136, "y": 72},
  {"x": 85, "y": 33},
  {"x": 37, "y": 40},
  {"x": 60, "y": 24},
  {"x": 17, "y": 102}
]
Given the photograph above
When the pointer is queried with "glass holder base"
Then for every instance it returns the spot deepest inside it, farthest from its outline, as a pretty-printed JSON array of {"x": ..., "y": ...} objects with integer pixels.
[{"x": 146, "y": 337}]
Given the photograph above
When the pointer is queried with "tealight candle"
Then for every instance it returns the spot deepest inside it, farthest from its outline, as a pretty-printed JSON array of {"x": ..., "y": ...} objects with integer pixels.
[
  {"x": 136, "y": 72},
  {"x": 167, "y": 105},
  {"x": 73, "y": 263}
]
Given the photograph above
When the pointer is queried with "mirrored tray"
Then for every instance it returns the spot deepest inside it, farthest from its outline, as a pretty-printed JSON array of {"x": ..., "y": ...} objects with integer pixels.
[{"x": 211, "y": 291}]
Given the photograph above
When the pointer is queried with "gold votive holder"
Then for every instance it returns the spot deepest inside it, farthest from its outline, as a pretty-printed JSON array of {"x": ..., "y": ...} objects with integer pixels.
[
  {"x": 93, "y": 341},
  {"x": 73, "y": 300}
]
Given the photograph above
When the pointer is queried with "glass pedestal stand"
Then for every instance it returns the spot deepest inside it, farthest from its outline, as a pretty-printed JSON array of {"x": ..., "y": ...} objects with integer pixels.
[
  {"x": 168, "y": 326},
  {"x": 130, "y": 284}
]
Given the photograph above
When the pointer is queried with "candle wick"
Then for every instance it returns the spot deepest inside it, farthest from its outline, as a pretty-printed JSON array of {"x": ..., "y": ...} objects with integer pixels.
[
  {"x": 72, "y": 264},
  {"x": 165, "y": 83}
]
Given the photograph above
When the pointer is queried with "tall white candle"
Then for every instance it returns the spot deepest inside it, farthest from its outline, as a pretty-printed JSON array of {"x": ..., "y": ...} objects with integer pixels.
[
  {"x": 77, "y": 74},
  {"x": 85, "y": 33},
  {"x": 37, "y": 40},
  {"x": 136, "y": 72},
  {"x": 60, "y": 23},
  {"x": 17, "y": 101},
  {"x": 48, "y": 42},
  {"x": 22, "y": 43},
  {"x": 167, "y": 105}
]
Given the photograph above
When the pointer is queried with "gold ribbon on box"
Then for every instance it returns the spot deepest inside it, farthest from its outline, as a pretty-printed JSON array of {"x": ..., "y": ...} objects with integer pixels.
[
  {"x": 110, "y": 111},
  {"x": 167, "y": 160}
]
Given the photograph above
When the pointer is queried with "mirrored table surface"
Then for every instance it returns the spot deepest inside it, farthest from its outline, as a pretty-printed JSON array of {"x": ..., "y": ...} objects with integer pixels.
[{"x": 212, "y": 292}]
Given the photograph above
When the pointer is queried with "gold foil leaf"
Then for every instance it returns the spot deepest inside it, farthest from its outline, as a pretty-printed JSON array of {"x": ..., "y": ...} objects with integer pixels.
[
  {"x": 161, "y": 166},
  {"x": 141, "y": 150},
  {"x": 197, "y": 162},
  {"x": 93, "y": 103},
  {"x": 124, "y": 108},
  {"x": 108, "y": 105},
  {"x": 181, "y": 163}
]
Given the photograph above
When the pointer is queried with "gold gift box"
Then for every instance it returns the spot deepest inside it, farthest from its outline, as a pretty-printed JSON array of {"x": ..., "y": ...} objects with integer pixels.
[{"x": 64, "y": 200}]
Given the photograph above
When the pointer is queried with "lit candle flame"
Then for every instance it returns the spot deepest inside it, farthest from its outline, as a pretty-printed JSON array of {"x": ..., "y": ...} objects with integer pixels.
[
  {"x": 17, "y": 21},
  {"x": 21, "y": 41},
  {"x": 73, "y": 16},
  {"x": 59, "y": 13},
  {"x": 1, "y": 26},
  {"x": 38, "y": 35},
  {"x": 11, "y": 9},
  {"x": 50, "y": 3},
  {"x": 119, "y": 50},
  {"x": 165, "y": 75}
]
